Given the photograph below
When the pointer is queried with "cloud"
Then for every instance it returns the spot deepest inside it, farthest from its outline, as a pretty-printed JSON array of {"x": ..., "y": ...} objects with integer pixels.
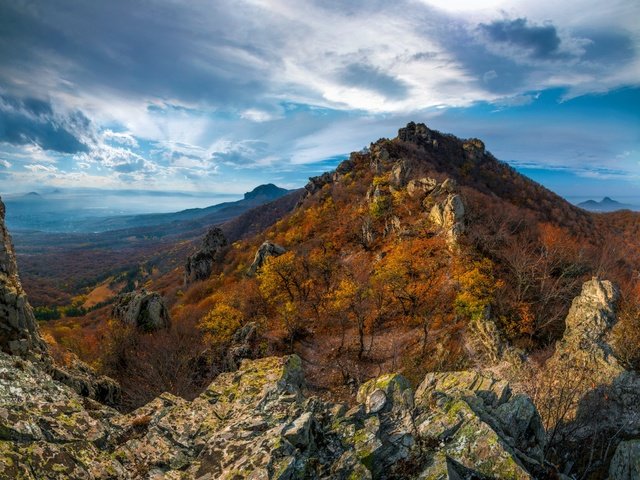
[
  {"x": 368, "y": 77},
  {"x": 31, "y": 121},
  {"x": 243, "y": 154},
  {"x": 174, "y": 94},
  {"x": 542, "y": 41}
]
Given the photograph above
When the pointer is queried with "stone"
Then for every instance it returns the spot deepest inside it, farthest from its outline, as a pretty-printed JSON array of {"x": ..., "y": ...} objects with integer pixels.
[
  {"x": 421, "y": 186},
  {"x": 625, "y": 464},
  {"x": 376, "y": 401},
  {"x": 298, "y": 433},
  {"x": 400, "y": 173},
  {"x": 200, "y": 265},
  {"x": 142, "y": 309},
  {"x": 266, "y": 250}
]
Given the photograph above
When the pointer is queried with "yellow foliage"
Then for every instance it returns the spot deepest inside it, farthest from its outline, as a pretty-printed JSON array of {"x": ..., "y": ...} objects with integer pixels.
[{"x": 221, "y": 322}]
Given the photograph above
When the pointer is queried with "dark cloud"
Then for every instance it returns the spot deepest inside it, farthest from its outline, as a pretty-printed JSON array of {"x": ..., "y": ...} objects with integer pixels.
[
  {"x": 542, "y": 41},
  {"x": 368, "y": 77},
  {"x": 158, "y": 49},
  {"x": 31, "y": 121},
  {"x": 608, "y": 47}
]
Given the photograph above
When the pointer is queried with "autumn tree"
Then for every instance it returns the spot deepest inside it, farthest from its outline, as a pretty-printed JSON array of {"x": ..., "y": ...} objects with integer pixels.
[{"x": 414, "y": 275}]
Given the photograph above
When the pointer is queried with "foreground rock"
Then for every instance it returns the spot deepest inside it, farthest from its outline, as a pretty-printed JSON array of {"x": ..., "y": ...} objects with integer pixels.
[
  {"x": 200, "y": 265},
  {"x": 256, "y": 423},
  {"x": 144, "y": 310},
  {"x": 266, "y": 250}
]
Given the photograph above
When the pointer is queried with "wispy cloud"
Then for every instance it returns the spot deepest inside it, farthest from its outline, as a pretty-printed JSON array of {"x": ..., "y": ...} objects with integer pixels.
[{"x": 183, "y": 92}]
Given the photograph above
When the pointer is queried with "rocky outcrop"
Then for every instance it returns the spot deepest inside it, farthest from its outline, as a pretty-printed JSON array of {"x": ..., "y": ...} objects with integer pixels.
[
  {"x": 591, "y": 317},
  {"x": 400, "y": 173},
  {"x": 18, "y": 328},
  {"x": 607, "y": 397},
  {"x": 200, "y": 265},
  {"x": 266, "y": 250},
  {"x": 475, "y": 422},
  {"x": 446, "y": 206},
  {"x": 316, "y": 183},
  {"x": 144, "y": 310},
  {"x": 242, "y": 345},
  {"x": 418, "y": 133},
  {"x": 421, "y": 186},
  {"x": 625, "y": 464},
  {"x": 256, "y": 423}
]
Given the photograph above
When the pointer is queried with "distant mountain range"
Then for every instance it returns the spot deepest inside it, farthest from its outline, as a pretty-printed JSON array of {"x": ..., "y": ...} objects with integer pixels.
[
  {"x": 606, "y": 205},
  {"x": 94, "y": 211}
]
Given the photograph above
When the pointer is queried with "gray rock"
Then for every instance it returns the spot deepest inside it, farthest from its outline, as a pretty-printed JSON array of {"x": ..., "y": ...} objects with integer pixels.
[
  {"x": 144, "y": 310},
  {"x": 266, "y": 250},
  {"x": 298, "y": 433},
  {"x": 18, "y": 327},
  {"x": 200, "y": 265},
  {"x": 625, "y": 464}
]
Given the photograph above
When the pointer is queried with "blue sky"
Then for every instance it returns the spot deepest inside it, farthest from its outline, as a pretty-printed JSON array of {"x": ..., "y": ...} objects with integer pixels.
[{"x": 219, "y": 96}]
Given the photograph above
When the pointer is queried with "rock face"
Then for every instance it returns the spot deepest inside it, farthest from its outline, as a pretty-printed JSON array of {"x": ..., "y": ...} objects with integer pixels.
[
  {"x": 144, "y": 310},
  {"x": 608, "y": 396},
  {"x": 200, "y": 264},
  {"x": 255, "y": 423},
  {"x": 18, "y": 328},
  {"x": 625, "y": 464},
  {"x": 266, "y": 250},
  {"x": 479, "y": 425}
]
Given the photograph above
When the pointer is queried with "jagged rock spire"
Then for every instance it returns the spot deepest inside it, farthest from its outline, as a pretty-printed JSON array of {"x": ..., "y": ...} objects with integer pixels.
[{"x": 18, "y": 328}]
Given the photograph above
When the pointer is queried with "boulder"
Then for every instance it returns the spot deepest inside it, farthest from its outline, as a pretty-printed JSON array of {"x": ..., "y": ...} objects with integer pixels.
[
  {"x": 266, "y": 250},
  {"x": 200, "y": 265},
  {"x": 142, "y": 309}
]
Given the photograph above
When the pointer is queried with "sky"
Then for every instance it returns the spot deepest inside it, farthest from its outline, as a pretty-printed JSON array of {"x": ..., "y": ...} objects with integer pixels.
[{"x": 220, "y": 96}]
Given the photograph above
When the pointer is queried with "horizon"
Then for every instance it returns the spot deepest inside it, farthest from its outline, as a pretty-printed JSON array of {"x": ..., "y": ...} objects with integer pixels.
[{"x": 225, "y": 97}]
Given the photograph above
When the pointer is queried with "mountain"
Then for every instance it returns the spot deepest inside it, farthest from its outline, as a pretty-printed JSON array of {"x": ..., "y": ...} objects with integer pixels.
[
  {"x": 605, "y": 205},
  {"x": 260, "y": 420},
  {"x": 505, "y": 309},
  {"x": 90, "y": 211},
  {"x": 58, "y": 266}
]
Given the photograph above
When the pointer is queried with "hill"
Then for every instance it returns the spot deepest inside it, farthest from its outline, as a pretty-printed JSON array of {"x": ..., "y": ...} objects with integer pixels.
[
  {"x": 418, "y": 254},
  {"x": 58, "y": 266},
  {"x": 605, "y": 205}
]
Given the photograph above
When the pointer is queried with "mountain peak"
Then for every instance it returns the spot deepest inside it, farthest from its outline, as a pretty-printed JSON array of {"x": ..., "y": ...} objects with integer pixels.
[{"x": 268, "y": 190}]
